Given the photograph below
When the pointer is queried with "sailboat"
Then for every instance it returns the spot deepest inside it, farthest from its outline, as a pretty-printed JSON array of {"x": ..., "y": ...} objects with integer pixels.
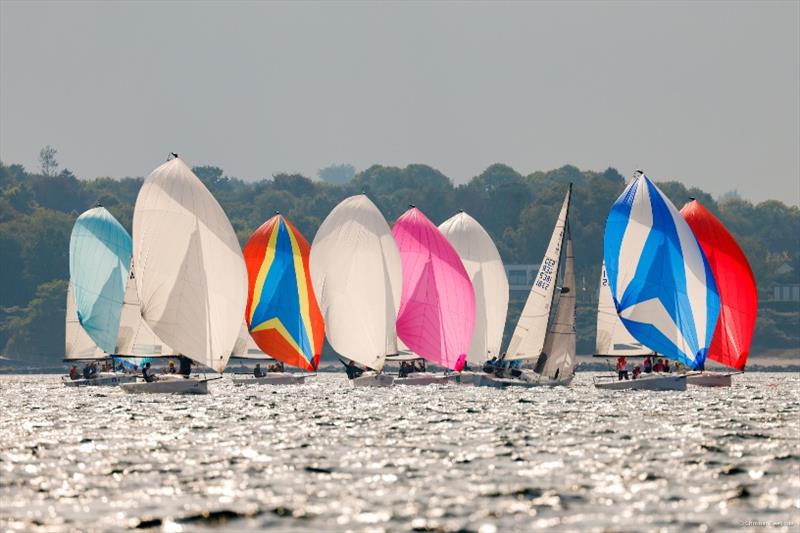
[
  {"x": 484, "y": 267},
  {"x": 191, "y": 276},
  {"x": 356, "y": 276},
  {"x": 100, "y": 253},
  {"x": 661, "y": 283},
  {"x": 546, "y": 341},
  {"x": 738, "y": 295},
  {"x": 437, "y": 308},
  {"x": 282, "y": 314}
]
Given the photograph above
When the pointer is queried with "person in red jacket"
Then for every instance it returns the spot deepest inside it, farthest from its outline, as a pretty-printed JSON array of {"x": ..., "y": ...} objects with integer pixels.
[{"x": 622, "y": 368}]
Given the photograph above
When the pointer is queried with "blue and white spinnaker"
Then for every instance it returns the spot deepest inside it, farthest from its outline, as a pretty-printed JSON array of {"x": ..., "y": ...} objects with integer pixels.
[{"x": 660, "y": 280}]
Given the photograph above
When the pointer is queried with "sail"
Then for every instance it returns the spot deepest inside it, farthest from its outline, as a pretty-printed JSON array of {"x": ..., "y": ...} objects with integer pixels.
[
  {"x": 437, "y": 307},
  {"x": 735, "y": 284},
  {"x": 135, "y": 338},
  {"x": 246, "y": 347},
  {"x": 282, "y": 312},
  {"x": 485, "y": 270},
  {"x": 560, "y": 346},
  {"x": 99, "y": 255},
  {"x": 355, "y": 269},
  {"x": 78, "y": 345},
  {"x": 527, "y": 342},
  {"x": 612, "y": 337},
  {"x": 660, "y": 280},
  {"x": 190, "y": 274}
]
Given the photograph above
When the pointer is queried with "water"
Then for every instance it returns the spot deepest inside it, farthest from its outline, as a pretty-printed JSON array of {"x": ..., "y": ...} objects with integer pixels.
[{"x": 327, "y": 457}]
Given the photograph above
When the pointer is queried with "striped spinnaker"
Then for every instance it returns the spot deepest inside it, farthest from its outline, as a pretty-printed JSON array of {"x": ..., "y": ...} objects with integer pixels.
[
  {"x": 660, "y": 280},
  {"x": 282, "y": 313}
]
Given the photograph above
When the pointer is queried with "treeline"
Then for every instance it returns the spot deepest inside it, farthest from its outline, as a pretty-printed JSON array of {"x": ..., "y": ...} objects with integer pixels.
[{"x": 37, "y": 212}]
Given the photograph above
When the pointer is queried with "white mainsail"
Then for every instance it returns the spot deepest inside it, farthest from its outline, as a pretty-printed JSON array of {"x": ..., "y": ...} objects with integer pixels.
[
  {"x": 612, "y": 336},
  {"x": 485, "y": 269},
  {"x": 560, "y": 347},
  {"x": 356, "y": 273},
  {"x": 528, "y": 339},
  {"x": 77, "y": 343},
  {"x": 191, "y": 276},
  {"x": 246, "y": 347},
  {"x": 135, "y": 338}
]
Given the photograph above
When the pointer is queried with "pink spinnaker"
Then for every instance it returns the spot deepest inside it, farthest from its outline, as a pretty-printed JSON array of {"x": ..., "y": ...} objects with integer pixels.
[{"x": 437, "y": 308}]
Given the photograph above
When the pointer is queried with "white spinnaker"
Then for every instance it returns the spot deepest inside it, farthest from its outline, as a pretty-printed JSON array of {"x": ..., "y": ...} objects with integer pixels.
[
  {"x": 612, "y": 336},
  {"x": 191, "y": 275},
  {"x": 77, "y": 343},
  {"x": 527, "y": 342},
  {"x": 135, "y": 338},
  {"x": 355, "y": 270},
  {"x": 560, "y": 345},
  {"x": 485, "y": 269}
]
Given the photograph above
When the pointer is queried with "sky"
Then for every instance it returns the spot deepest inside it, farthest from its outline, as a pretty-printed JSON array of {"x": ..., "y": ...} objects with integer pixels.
[{"x": 704, "y": 93}]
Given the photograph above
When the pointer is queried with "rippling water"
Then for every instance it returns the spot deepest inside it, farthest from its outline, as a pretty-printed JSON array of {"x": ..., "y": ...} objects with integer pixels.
[{"x": 327, "y": 457}]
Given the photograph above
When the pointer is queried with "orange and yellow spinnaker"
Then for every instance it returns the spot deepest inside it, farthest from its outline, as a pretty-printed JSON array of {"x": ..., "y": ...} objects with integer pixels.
[{"x": 282, "y": 313}]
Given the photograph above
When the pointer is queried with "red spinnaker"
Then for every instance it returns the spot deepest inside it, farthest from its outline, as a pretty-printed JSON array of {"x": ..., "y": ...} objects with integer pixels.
[{"x": 735, "y": 283}]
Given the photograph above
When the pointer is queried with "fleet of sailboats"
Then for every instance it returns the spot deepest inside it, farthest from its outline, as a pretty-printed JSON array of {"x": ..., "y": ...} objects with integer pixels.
[{"x": 672, "y": 283}]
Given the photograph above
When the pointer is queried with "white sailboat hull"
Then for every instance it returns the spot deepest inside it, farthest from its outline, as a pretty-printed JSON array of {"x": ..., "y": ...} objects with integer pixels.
[
  {"x": 487, "y": 380},
  {"x": 710, "y": 379},
  {"x": 422, "y": 378},
  {"x": 373, "y": 380},
  {"x": 676, "y": 382},
  {"x": 168, "y": 385},
  {"x": 272, "y": 378},
  {"x": 103, "y": 379}
]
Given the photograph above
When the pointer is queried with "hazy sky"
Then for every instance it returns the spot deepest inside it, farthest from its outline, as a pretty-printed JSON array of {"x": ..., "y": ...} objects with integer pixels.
[{"x": 708, "y": 94}]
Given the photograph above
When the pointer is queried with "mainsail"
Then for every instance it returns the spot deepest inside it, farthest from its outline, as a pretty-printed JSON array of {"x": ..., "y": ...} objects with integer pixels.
[
  {"x": 78, "y": 345},
  {"x": 99, "y": 256},
  {"x": 612, "y": 337},
  {"x": 528, "y": 339},
  {"x": 246, "y": 347},
  {"x": 437, "y": 308},
  {"x": 355, "y": 270},
  {"x": 735, "y": 283},
  {"x": 660, "y": 280},
  {"x": 559, "y": 353},
  {"x": 135, "y": 338},
  {"x": 190, "y": 274},
  {"x": 282, "y": 313},
  {"x": 485, "y": 270}
]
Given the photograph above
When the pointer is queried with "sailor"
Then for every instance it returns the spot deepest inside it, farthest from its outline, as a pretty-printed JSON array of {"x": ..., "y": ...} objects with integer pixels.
[
  {"x": 73, "y": 372},
  {"x": 647, "y": 364},
  {"x": 637, "y": 370},
  {"x": 403, "y": 372},
  {"x": 258, "y": 372},
  {"x": 147, "y": 373},
  {"x": 622, "y": 368},
  {"x": 352, "y": 370},
  {"x": 659, "y": 366},
  {"x": 185, "y": 366},
  {"x": 666, "y": 366},
  {"x": 171, "y": 367}
]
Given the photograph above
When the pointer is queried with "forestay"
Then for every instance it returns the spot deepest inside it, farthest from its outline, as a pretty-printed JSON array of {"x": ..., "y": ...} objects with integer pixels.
[
  {"x": 437, "y": 308},
  {"x": 78, "y": 345},
  {"x": 485, "y": 270},
  {"x": 559, "y": 353},
  {"x": 282, "y": 313},
  {"x": 660, "y": 280},
  {"x": 99, "y": 256},
  {"x": 612, "y": 337},
  {"x": 528, "y": 339},
  {"x": 355, "y": 271},
  {"x": 735, "y": 284},
  {"x": 190, "y": 272}
]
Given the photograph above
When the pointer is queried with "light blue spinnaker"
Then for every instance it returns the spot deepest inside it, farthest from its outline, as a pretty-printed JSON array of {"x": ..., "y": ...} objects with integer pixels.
[
  {"x": 99, "y": 258},
  {"x": 660, "y": 280}
]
